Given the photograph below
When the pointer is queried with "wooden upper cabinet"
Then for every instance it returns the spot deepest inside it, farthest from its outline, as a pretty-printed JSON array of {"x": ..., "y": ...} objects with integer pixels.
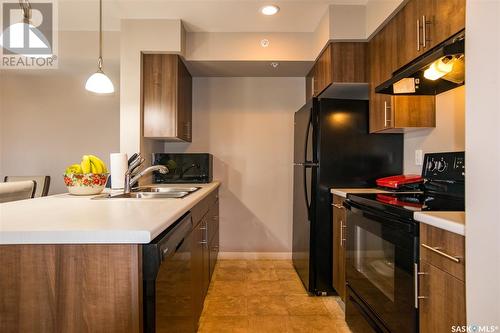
[
  {"x": 424, "y": 24},
  {"x": 394, "y": 46},
  {"x": 340, "y": 62},
  {"x": 394, "y": 114},
  {"x": 167, "y": 98}
]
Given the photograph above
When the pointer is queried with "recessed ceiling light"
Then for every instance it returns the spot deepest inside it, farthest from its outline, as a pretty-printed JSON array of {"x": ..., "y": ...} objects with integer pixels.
[
  {"x": 270, "y": 10},
  {"x": 264, "y": 42}
]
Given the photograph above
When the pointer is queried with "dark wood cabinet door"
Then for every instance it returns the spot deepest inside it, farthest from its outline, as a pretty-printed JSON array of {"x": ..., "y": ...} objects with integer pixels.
[
  {"x": 444, "y": 302},
  {"x": 413, "y": 111},
  {"x": 214, "y": 252},
  {"x": 167, "y": 98},
  {"x": 197, "y": 267},
  {"x": 339, "y": 243},
  {"x": 184, "y": 103},
  {"x": 323, "y": 73},
  {"x": 382, "y": 61},
  {"x": 445, "y": 18},
  {"x": 409, "y": 36},
  {"x": 159, "y": 81},
  {"x": 349, "y": 62}
]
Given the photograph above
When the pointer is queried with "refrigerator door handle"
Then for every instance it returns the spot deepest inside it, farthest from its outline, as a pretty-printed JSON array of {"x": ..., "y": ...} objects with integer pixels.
[
  {"x": 306, "y": 196},
  {"x": 307, "y": 164}
]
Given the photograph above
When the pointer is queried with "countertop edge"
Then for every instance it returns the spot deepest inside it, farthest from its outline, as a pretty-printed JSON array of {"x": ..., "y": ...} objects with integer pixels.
[
  {"x": 105, "y": 236},
  {"x": 440, "y": 222}
]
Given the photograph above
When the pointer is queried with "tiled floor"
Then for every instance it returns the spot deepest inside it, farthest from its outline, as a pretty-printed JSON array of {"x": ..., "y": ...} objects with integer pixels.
[{"x": 261, "y": 296}]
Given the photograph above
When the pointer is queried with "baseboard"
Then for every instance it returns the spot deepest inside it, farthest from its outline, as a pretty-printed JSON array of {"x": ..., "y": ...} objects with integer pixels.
[{"x": 255, "y": 255}]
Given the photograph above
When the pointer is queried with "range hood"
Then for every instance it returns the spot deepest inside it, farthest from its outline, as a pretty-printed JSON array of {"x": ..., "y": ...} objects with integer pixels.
[{"x": 440, "y": 69}]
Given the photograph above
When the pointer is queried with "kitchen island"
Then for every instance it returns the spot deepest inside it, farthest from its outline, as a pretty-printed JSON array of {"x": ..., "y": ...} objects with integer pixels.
[{"x": 73, "y": 264}]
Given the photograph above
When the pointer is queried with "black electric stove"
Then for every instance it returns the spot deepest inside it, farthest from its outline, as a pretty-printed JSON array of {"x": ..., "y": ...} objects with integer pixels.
[{"x": 382, "y": 246}]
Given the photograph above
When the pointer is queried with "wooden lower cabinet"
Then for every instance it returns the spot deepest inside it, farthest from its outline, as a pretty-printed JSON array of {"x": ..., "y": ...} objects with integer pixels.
[
  {"x": 71, "y": 288},
  {"x": 205, "y": 248},
  {"x": 339, "y": 243},
  {"x": 441, "y": 280},
  {"x": 444, "y": 302}
]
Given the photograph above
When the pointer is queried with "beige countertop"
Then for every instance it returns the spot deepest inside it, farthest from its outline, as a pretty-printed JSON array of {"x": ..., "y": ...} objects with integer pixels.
[
  {"x": 68, "y": 219},
  {"x": 344, "y": 191},
  {"x": 450, "y": 221}
]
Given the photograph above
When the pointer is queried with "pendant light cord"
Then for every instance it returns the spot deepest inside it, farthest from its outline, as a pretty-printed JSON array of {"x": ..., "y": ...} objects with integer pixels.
[
  {"x": 99, "y": 61},
  {"x": 26, "y": 8}
]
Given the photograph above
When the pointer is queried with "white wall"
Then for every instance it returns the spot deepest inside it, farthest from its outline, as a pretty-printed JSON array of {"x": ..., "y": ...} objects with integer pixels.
[
  {"x": 48, "y": 120},
  {"x": 483, "y": 162},
  {"x": 378, "y": 12},
  {"x": 449, "y": 134},
  {"x": 247, "y": 124}
]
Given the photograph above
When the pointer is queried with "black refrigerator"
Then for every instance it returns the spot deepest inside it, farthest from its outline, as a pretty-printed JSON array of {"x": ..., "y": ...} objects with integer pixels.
[{"x": 332, "y": 148}]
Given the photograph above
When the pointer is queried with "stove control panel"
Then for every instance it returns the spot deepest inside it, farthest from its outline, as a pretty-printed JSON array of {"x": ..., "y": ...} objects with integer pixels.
[{"x": 444, "y": 166}]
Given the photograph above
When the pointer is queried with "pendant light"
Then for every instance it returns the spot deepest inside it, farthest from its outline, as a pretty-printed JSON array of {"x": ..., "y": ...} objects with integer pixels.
[{"x": 99, "y": 82}]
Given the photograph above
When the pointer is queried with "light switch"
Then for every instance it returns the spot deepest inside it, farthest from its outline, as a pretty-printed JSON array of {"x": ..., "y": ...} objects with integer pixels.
[{"x": 419, "y": 157}]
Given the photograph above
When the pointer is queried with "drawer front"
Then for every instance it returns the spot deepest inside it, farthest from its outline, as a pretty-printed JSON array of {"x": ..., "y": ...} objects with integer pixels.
[
  {"x": 443, "y": 249},
  {"x": 203, "y": 206}
]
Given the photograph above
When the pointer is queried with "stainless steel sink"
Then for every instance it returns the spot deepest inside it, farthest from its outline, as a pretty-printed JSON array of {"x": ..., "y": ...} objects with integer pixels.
[
  {"x": 153, "y": 193},
  {"x": 150, "y": 195},
  {"x": 165, "y": 189}
]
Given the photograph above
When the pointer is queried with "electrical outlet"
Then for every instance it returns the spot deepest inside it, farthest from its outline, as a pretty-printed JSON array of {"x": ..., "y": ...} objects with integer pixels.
[{"x": 419, "y": 157}]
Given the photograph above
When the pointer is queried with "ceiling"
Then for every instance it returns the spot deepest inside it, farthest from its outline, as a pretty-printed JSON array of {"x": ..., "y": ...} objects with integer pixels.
[{"x": 201, "y": 15}]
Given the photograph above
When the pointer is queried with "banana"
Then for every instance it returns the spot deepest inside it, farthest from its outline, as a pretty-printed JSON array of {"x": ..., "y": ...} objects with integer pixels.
[
  {"x": 86, "y": 166},
  {"x": 101, "y": 166},
  {"x": 74, "y": 168},
  {"x": 95, "y": 166}
]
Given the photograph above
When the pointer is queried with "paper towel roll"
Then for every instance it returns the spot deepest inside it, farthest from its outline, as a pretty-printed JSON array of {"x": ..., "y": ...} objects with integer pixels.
[{"x": 119, "y": 166}]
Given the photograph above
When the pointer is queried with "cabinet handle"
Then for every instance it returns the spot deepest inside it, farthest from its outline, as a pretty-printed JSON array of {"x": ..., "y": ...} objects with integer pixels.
[
  {"x": 215, "y": 218},
  {"x": 339, "y": 206},
  {"x": 441, "y": 253},
  {"x": 418, "y": 35},
  {"x": 424, "y": 31},
  {"x": 386, "y": 119},
  {"x": 341, "y": 234},
  {"x": 343, "y": 240},
  {"x": 417, "y": 274},
  {"x": 415, "y": 279}
]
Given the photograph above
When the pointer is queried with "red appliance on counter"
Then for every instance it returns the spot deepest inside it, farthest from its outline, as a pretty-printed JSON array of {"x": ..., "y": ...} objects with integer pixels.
[{"x": 400, "y": 182}]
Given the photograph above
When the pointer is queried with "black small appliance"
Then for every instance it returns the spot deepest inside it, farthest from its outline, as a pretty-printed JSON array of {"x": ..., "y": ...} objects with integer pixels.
[
  {"x": 184, "y": 168},
  {"x": 382, "y": 246}
]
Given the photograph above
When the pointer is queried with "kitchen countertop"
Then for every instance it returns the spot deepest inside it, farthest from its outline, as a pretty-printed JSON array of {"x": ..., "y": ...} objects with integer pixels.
[
  {"x": 450, "y": 221},
  {"x": 68, "y": 219},
  {"x": 344, "y": 191}
]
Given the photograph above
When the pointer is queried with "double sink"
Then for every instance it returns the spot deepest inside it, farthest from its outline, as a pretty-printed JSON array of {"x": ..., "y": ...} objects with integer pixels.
[{"x": 154, "y": 193}]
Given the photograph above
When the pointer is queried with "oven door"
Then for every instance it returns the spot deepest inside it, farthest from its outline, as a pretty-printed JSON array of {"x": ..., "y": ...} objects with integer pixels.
[{"x": 380, "y": 263}]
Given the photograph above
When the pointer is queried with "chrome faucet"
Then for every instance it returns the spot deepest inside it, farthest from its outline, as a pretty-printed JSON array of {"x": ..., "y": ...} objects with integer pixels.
[{"x": 133, "y": 175}]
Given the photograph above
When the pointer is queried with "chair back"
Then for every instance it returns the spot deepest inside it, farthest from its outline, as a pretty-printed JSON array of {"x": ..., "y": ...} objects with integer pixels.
[
  {"x": 13, "y": 191},
  {"x": 42, "y": 183}
]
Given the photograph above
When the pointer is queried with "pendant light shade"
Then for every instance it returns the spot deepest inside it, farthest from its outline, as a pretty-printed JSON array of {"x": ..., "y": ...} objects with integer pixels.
[{"x": 98, "y": 82}]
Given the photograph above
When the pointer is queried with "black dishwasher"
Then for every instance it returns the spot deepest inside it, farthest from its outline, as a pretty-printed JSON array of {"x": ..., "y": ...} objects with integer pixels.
[{"x": 167, "y": 281}]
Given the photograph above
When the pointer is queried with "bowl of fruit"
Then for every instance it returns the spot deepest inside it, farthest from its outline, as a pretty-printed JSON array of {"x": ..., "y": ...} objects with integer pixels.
[{"x": 87, "y": 178}]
